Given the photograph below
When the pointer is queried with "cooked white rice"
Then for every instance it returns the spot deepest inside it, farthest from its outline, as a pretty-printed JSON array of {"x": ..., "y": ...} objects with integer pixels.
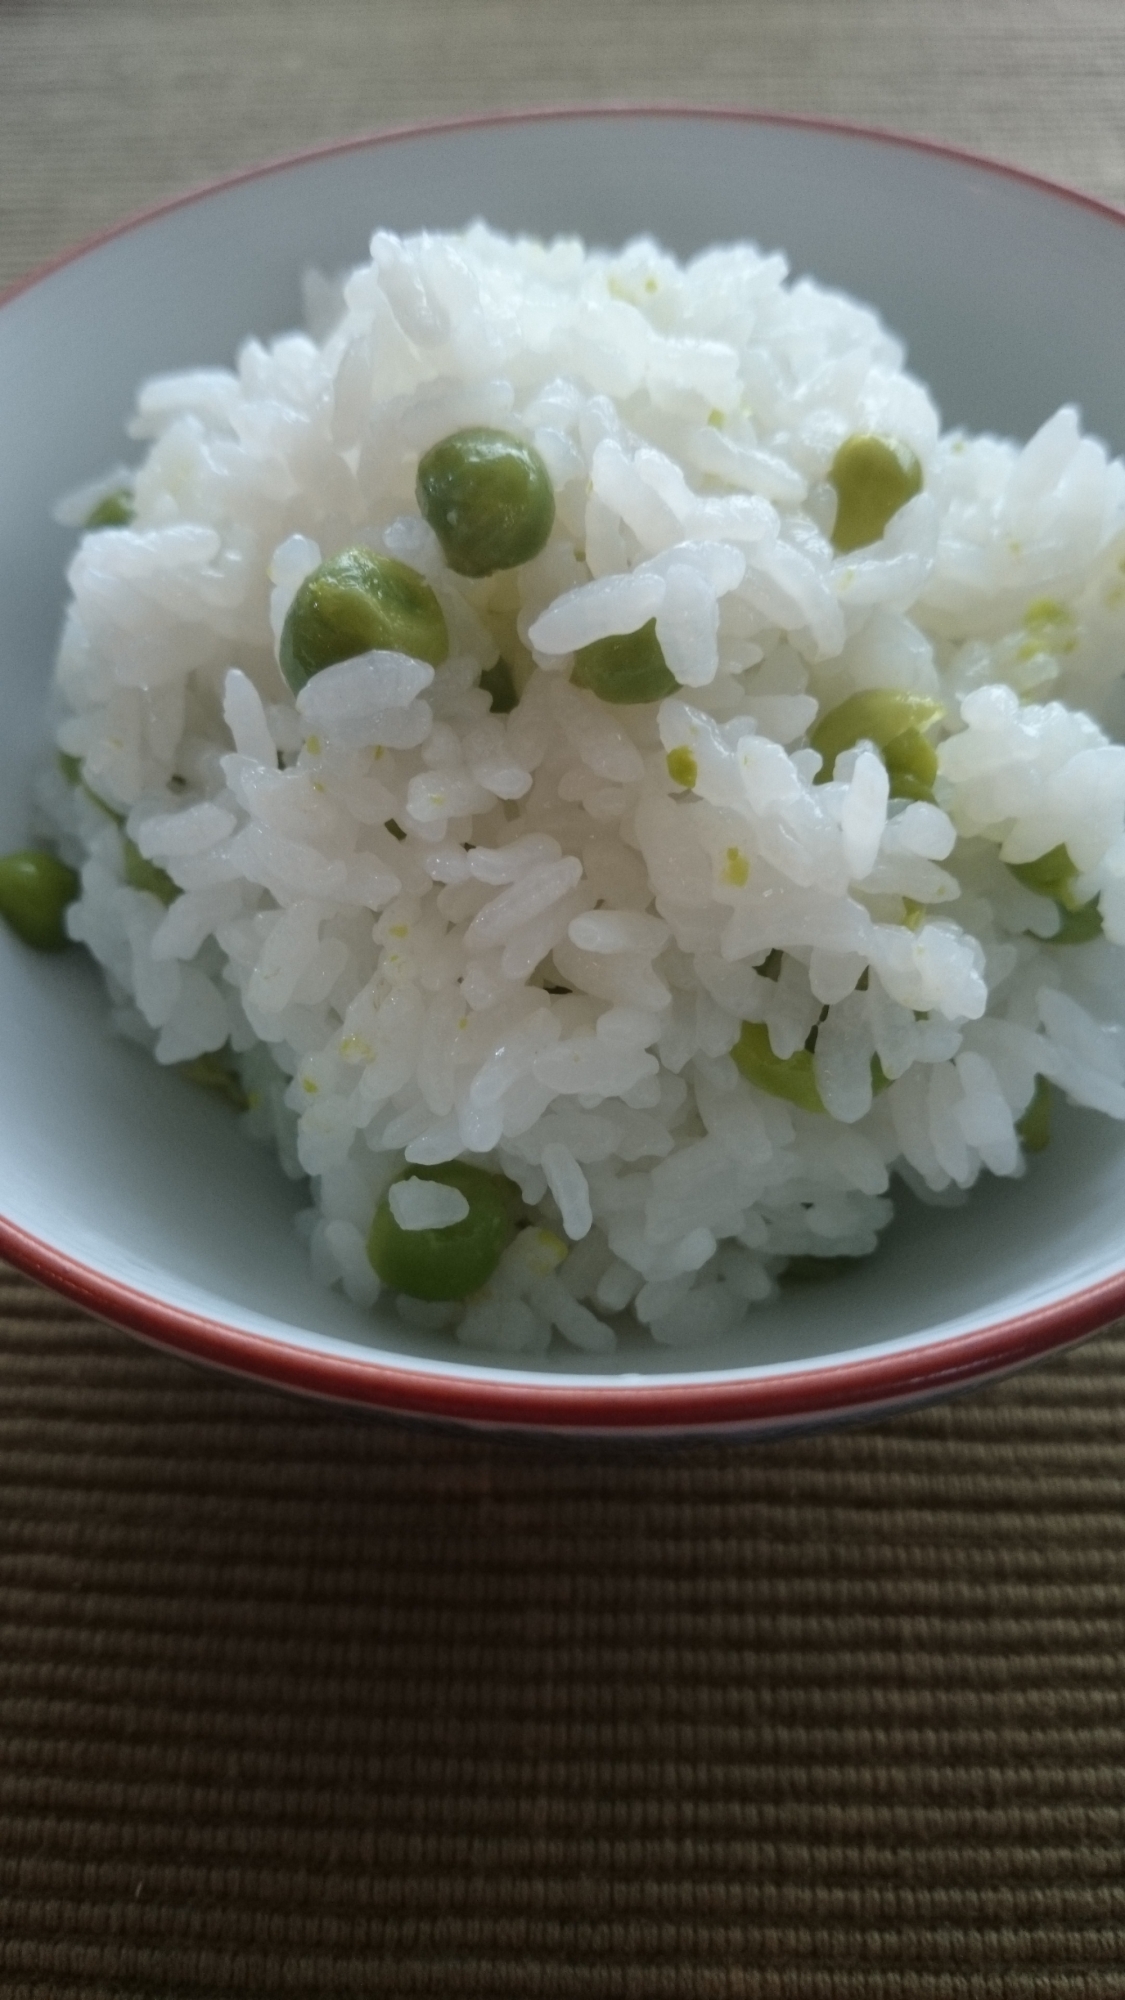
[{"x": 548, "y": 974}]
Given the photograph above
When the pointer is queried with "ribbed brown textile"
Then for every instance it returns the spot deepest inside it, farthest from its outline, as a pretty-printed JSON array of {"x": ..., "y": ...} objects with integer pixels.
[{"x": 293, "y": 1702}]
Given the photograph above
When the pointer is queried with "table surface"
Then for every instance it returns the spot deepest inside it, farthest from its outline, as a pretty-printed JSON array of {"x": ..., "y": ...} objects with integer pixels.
[{"x": 293, "y": 1702}]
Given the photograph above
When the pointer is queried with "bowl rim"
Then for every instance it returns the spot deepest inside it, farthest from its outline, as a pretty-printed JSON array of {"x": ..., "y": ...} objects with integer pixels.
[
  {"x": 765, "y": 1399},
  {"x": 389, "y": 135},
  {"x": 771, "y": 1398}
]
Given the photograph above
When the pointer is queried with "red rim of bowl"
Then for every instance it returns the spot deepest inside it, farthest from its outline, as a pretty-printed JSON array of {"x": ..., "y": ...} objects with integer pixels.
[{"x": 757, "y": 1400}]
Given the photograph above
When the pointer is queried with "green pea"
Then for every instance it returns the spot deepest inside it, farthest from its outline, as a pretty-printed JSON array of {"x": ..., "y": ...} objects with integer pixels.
[
  {"x": 216, "y": 1073},
  {"x": 488, "y": 498},
  {"x": 499, "y": 683},
  {"x": 35, "y": 889},
  {"x": 873, "y": 478},
  {"x": 143, "y": 874},
  {"x": 1054, "y": 874},
  {"x": 1034, "y": 1127},
  {"x": 891, "y": 719},
  {"x": 360, "y": 602},
  {"x": 626, "y": 667},
  {"x": 682, "y": 767},
  {"x": 114, "y": 510},
  {"x": 1049, "y": 874},
  {"x": 792, "y": 1077},
  {"x": 446, "y": 1263},
  {"x": 912, "y": 766},
  {"x": 1080, "y": 926}
]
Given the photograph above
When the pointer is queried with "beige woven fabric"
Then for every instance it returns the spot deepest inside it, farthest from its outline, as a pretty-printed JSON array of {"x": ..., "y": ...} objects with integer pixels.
[
  {"x": 108, "y": 104},
  {"x": 295, "y": 1702}
]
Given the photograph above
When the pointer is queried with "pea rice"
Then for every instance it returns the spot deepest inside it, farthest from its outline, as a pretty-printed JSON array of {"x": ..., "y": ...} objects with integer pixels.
[{"x": 701, "y": 972}]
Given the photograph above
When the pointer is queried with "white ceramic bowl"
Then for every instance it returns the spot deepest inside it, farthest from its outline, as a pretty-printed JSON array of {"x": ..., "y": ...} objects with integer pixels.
[{"x": 122, "y": 1186}]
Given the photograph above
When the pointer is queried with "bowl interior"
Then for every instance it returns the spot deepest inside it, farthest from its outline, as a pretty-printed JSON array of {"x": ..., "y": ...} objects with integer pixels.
[{"x": 1010, "y": 297}]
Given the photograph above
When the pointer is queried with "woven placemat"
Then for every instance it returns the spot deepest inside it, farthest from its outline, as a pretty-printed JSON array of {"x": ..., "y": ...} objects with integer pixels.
[{"x": 295, "y": 1702}]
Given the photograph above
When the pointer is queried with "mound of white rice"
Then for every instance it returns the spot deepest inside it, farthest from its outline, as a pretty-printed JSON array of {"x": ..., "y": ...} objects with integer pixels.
[{"x": 548, "y": 973}]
